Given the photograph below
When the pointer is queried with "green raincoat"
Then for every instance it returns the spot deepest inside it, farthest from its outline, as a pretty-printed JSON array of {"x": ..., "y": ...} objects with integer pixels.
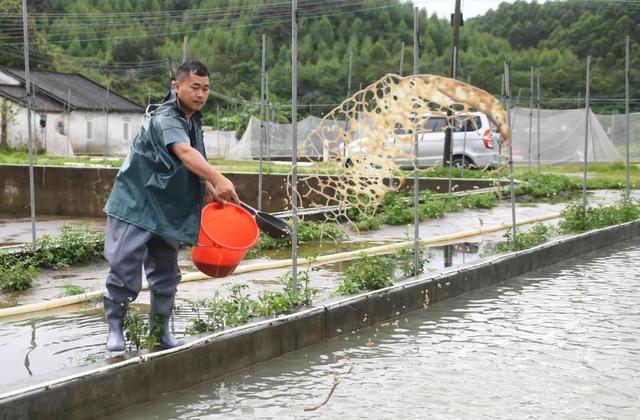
[{"x": 153, "y": 189}]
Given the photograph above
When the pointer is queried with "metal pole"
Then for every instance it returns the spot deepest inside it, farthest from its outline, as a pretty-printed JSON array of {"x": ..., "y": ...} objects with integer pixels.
[
  {"x": 449, "y": 122},
  {"x": 453, "y": 73},
  {"x": 68, "y": 120},
  {"x": 538, "y": 105},
  {"x": 416, "y": 180},
  {"x": 613, "y": 126},
  {"x": 263, "y": 135},
  {"x": 586, "y": 134},
  {"x": 507, "y": 92},
  {"x": 401, "y": 59},
  {"x": 27, "y": 77},
  {"x": 185, "y": 44},
  {"x": 349, "y": 72},
  {"x": 530, "y": 119},
  {"x": 626, "y": 109},
  {"x": 294, "y": 148},
  {"x": 106, "y": 121},
  {"x": 464, "y": 145}
]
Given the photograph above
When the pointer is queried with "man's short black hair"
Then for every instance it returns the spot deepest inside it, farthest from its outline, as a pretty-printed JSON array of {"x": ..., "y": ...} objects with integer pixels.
[{"x": 191, "y": 66}]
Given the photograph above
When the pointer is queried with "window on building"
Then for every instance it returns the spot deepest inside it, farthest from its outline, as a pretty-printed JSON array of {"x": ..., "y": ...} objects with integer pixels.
[
  {"x": 60, "y": 128},
  {"x": 89, "y": 129}
]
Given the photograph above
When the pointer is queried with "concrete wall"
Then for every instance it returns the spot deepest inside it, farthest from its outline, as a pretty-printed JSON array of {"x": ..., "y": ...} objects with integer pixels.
[
  {"x": 82, "y": 192},
  {"x": 110, "y": 388}
]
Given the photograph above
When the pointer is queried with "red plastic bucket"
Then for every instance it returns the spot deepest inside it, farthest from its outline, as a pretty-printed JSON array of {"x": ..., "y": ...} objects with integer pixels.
[{"x": 226, "y": 234}]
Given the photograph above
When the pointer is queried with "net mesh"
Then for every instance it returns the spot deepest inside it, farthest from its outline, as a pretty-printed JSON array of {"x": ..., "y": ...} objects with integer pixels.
[
  {"x": 364, "y": 137},
  {"x": 615, "y": 125},
  {"x": 561, "y": 137}
]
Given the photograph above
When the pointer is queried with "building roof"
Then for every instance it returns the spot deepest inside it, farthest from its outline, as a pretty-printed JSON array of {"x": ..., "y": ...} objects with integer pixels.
[
  {"x": 42, "y": 102},
  {"x": 55, "y": 91}
]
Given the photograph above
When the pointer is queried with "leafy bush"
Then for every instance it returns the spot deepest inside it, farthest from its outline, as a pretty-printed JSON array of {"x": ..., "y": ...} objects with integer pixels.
[
  {"x": 136, "y": 330},
  {"x": 369, "y": 223},
  {"x": 540, "y": 233},
  {"x": 72, "y": 246},
  {"x": 546, "y": 185},
  {"x": 18, "y": 277},
  {"x": 218, "y": 312},
  {"x": 577, "y": 218},
  {"x": 367, "y": 273},
  {"x": 405, "y": 261},
  {"x": 72, "y": 290},
  {"x": 308, "y": 232}
]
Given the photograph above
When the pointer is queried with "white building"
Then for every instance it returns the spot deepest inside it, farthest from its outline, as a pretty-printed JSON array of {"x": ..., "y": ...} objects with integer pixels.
[{"x": 70, "y": 114}]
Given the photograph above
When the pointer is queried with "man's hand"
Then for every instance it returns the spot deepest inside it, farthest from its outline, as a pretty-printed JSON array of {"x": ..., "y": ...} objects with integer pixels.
[
  {"x": 210, "y": 194},
  {"x": 225, "y": 190}
]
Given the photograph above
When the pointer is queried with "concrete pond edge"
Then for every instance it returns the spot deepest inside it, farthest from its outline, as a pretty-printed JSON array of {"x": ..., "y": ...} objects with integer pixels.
[{"x": 113, "y": 387}]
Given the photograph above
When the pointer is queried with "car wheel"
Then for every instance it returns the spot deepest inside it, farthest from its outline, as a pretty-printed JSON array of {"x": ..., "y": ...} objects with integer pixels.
[{"x": 461, "y": 162}]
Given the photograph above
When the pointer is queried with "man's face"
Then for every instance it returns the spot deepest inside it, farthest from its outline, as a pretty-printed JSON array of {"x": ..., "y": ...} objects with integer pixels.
[{"x": 193, "y": 92}]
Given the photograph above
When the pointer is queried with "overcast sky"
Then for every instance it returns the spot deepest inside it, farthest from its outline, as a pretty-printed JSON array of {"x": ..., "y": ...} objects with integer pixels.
[{"x": 470, "y": 8}]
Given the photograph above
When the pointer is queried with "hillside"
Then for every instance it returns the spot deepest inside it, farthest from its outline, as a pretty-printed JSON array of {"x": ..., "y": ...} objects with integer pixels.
[{"x": 133, "y": 44}]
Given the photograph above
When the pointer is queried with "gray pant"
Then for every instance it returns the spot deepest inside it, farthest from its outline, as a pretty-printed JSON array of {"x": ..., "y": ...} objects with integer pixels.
[{"x": 128, "y": 248}]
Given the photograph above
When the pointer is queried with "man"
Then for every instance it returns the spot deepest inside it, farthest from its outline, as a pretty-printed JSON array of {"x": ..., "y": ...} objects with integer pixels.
[{"x": 156, "y": 203}]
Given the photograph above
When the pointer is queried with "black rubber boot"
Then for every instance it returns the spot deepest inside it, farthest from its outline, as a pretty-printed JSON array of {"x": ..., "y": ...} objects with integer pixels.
[
  {"x": 114, "y": 313},
  {"x": 161, "y": 307}
]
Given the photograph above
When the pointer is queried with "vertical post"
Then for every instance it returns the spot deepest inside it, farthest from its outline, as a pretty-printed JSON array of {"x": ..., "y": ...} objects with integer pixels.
[
  {"x": 453, "y": 73},
  {"x": 530, "y": 120},
  {"x": 507, "y": 93},
  {"x": 538, "y": 105},
  {"x": 401, "y": 59},
  {"x": 586, "y": 133},
  {"x": 68, "y": 120},
  {"x": 349, "y": 74},
  {"x": 29, "y": 100},
  {"x": 294, "y": 148},
  {"x": 185, "y": 45},
  {"x": 613, "y": 126},
  {"x": 450, "y": 121},
  {"x": 262, "y": 117},
  {"x": 148, "y": 96},
  {"x": 416, "y": 180},
  {"x": 106, "y": 121},
  {"x": 626, "y": 110}
]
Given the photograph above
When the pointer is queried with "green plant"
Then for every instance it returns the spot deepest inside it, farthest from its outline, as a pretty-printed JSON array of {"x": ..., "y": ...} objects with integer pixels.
[
  {"x": 212, "y": 310},
  {"x": 404, "y": 259},
  {"x": 397, "y": 213},
  {"x": 578, "y": 218},
  {"x": 136, "y": 330},
  {"x": 308, "y": 232},
  {"x": 538, "y": 234},
  {"x": 239, "y": 307},
  {"x": 72, "y": 290},
  {"x": 17, "y": 277},
  {"x": 71, "y": 246},
  {"x": 369, "y": 223},
  {"x": 367, "y": 273},
  {"x": 273, "y": 303}
]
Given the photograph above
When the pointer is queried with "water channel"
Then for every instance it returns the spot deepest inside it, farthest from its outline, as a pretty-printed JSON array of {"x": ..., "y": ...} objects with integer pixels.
[
  {"x": 43, "y": 345},
  {"x": 561, "y": 342}
]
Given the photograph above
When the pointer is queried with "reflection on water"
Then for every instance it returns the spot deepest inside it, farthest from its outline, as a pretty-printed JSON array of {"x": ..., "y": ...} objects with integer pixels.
[{"x": 560, "y": 342}]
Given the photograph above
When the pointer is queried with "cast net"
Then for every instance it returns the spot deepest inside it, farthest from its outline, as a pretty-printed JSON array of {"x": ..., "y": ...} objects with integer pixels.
[{"x": 377, "y": 128}]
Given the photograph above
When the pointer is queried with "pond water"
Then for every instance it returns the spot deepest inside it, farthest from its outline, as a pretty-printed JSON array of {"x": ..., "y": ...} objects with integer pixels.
[
  {"x": 562, "y": 342},
  {"x": 44, "y": 345}
]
